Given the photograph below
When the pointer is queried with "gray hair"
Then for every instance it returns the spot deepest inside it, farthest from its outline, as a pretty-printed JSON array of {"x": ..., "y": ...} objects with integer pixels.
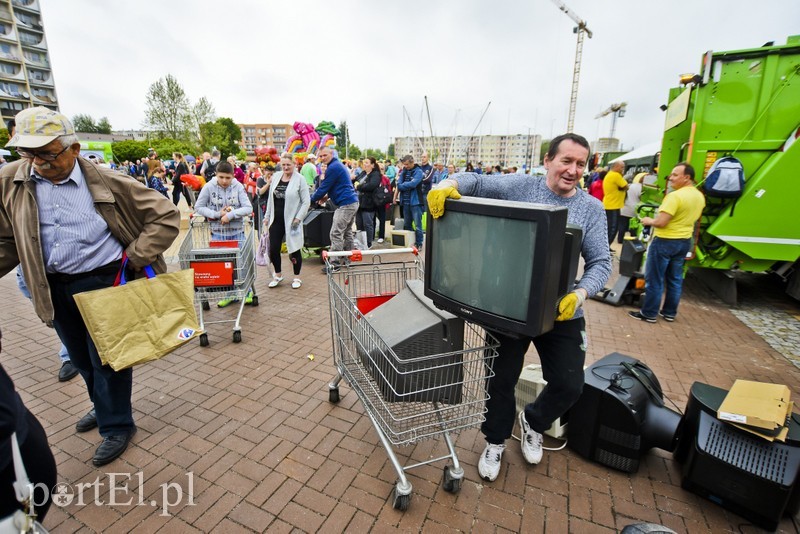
[
  {"x": 68, "y": 140},
  {"x": 407, "y": 158},
  {"x": 215, "y": 153}
]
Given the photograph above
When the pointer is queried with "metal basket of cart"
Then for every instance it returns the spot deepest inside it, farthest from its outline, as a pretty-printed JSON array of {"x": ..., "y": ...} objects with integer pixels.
[
  {"x": 410, "y": 388},
  {"x": 223, "y": 259}
]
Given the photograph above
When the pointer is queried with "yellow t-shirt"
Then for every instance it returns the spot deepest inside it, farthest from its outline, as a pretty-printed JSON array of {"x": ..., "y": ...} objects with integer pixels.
[
  {"x": 613, "y": 191},
  {"x": 685, "y": 205}
]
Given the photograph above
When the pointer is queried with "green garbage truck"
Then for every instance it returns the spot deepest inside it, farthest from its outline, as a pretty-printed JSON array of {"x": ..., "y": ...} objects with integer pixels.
[{"x": 743, "y": 104}]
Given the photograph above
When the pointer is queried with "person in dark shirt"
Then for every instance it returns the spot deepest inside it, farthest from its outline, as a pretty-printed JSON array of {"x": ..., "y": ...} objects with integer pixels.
[{"x": 36, "y": 454}]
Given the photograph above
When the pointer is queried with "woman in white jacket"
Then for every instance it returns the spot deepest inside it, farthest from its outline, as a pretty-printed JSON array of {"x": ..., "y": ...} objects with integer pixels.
[{"x": 287, "y": 205}]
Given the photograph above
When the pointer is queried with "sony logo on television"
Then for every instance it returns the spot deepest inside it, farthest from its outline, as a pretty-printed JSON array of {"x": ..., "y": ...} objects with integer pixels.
[{"x": 468, "y": 312}]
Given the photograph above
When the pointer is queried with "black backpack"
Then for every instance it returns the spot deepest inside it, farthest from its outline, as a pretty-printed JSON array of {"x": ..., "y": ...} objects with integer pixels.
[
  {"x": 382, "y": 195},
  {"x": 211, "y": 170}
]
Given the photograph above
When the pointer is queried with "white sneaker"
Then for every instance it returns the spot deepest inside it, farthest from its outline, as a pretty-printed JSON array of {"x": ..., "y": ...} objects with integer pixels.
[
  {"x": 489, "y": 464},
  {"x": 380, "y": 240},
  {"x": 531, "y": 441},
  {"x": 275, "y": 281},
  {"x": 296, "y": 283}
]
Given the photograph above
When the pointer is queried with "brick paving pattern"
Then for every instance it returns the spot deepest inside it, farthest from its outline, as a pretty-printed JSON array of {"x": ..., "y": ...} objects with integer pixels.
[{"x": 250, "y": 428}]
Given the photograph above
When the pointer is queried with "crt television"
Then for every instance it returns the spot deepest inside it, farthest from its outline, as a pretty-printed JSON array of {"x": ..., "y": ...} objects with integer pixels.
[{"x": 497, "y": 263}]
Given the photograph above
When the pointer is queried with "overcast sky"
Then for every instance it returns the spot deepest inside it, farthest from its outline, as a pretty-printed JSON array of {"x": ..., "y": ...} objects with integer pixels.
[{"x": 365, "y": 60}]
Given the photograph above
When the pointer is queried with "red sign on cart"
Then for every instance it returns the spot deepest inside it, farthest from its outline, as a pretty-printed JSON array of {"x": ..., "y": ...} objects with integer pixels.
[{"x": 212, "y": 273}]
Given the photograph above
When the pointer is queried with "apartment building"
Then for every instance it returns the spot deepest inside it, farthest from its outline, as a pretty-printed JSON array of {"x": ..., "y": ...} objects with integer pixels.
[
  {"x": 26, "y": 77},
  {"x": 521, "y": 151},
  {"x": 256, "y": 135}
]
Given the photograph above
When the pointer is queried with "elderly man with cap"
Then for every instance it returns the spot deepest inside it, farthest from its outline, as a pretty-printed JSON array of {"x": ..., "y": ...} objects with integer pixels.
[
  {"x": 68, "y": 222},
  {"x": 309, "y": 170}
]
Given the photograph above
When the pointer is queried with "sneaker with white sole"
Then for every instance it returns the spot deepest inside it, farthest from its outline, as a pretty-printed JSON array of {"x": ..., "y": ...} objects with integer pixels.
[
  {"x": 531, "y": 441},
  {"x": 489, "y": 464},
  {"x": 380, "y": 240},
  {"x": 296, "y": 283},
  {"x": 275, "y": 281}
]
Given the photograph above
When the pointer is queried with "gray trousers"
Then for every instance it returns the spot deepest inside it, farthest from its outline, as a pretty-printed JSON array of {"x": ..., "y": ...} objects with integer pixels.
[{"x": 342, "y": 227}]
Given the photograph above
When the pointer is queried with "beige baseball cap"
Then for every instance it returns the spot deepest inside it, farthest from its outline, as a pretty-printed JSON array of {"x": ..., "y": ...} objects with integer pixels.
[{"x": 39, "y": 126}]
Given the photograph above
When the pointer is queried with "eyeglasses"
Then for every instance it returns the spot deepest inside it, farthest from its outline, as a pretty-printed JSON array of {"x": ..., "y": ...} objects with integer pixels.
[{"x": 46, "y": 156}]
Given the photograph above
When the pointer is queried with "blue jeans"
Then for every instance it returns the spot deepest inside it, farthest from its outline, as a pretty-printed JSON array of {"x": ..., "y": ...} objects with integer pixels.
[
  {"x": 413, "y": 213},
  {"x": 110, "y": 391},
  {"x": 664, "y": 267}
]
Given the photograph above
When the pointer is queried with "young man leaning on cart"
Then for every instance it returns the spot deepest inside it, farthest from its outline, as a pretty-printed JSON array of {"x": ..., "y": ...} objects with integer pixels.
[{"x": 224, "y": 202}]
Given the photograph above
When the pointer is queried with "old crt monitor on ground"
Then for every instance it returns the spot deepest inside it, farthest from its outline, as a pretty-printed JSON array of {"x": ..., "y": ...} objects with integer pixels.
[{"x": 497, "y": 263}]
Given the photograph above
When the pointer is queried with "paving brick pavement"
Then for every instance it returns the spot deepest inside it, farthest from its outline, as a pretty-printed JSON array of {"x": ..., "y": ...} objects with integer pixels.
[{"x": 248, "y": 428}]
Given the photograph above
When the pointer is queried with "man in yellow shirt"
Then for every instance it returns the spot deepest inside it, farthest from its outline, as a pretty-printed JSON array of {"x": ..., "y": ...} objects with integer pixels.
[
  {"x": 666, "y": 254},
  {"x": 614, "y": 187}
]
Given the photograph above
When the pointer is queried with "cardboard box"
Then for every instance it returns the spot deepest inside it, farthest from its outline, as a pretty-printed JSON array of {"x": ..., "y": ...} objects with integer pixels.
[{"x": 758, "y": 405}]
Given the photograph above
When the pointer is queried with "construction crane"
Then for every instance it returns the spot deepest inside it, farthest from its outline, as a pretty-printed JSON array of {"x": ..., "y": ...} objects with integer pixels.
[
  {"x": 580, "y": 29},
  {"x": 615, "y": 110}
]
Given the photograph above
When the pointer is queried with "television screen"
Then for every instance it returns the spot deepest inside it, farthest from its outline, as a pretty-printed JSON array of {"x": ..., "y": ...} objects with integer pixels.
[
  {"x": 481, "y": 271},
  {"x": 498, "y": 263}
]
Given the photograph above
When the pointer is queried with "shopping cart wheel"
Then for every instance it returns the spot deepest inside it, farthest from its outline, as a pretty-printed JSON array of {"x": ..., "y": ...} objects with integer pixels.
[
  {"x": 400, "y": 502},
  {"x": 206, "y": 305},
  {"x": 255, "y": 300},
  {"x": 450, "y": 482},
  {"x": 203, "y": 340},
  {"x": 237, "y": 336},
  {"x": 333, "y": 395}
]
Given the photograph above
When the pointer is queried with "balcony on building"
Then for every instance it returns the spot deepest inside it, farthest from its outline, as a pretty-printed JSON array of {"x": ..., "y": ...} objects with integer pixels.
[
  {"x": 11, "y": 71},
  {"x": 43, "y": 96},
  {"x": 27, "y": 5},
  {"x": 29, "y": 21},
  {"x": 32, "y": 40},
  {"x": 39, "y": 77},
  {"x": 5, "y": 13},
  {"x": 33, "y": 57}
]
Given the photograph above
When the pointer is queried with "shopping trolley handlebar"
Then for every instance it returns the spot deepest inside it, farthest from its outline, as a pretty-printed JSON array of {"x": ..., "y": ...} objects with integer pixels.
[
  {"x": 199, "y": 219},
  {"x": 358, "y": 255}
]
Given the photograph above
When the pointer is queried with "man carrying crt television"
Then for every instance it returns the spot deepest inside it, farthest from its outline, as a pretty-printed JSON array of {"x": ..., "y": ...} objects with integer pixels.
[{"x": 562, "y": 351}]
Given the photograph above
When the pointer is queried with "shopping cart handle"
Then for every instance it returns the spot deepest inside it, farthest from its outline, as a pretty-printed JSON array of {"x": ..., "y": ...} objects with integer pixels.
[{"x": 359, "y": 255}]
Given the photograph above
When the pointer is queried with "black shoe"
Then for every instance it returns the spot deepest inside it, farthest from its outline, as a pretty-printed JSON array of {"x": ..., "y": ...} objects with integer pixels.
[
  {"x": 668, "y": 318},
  {"x": 87, "y": 422},
  {"x": 639, "y": 316},
  {"x": 67, "y": 371},
  {"x": 112, "y": 448}
]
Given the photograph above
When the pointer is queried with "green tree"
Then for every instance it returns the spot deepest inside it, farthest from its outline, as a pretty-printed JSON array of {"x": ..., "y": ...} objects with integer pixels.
[
  {"x": 84, "y": 123},
  {"x": 544, "y": 149},
  {"x": 222, "y": 134},
  {"x": 167, "y": 146},
  {"x": 390, "y": 151},
  {"x": 103, "y": 126},
  {"x": 202, "y": 112},
  {"x": 375, "y": 153},
  {"x": 129, "y": 150},
  {"x": 352, "y": 152},
  {"x": 342, "y": 139},
  {"x": 168, "y": 109}
]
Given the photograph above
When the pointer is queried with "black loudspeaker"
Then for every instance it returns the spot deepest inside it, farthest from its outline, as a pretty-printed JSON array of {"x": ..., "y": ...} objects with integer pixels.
[
  {"x": 621, "y": 414},
  {"x": 630, "y": 258},
  {"x": 748, "y": 475},
  {"x": 317, "y": 228}
]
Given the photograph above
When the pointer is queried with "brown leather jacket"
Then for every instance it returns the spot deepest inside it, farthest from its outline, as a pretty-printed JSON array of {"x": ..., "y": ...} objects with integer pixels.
[{"x": 143, "y": 221}]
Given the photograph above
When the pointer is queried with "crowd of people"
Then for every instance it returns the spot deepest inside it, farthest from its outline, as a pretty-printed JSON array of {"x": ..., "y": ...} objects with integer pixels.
[{"x": 69, "y": 236}]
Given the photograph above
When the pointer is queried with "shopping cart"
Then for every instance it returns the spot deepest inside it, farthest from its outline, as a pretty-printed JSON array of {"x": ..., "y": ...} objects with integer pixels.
[
  {"x": 410, "y": 398},
  {"x": 223, "y": 259}
]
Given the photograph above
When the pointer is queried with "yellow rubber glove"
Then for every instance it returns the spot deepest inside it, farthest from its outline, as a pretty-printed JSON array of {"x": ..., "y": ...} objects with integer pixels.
[
  {"x": 436, "y": 198},
  {"x": 568, "y": 305}
]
